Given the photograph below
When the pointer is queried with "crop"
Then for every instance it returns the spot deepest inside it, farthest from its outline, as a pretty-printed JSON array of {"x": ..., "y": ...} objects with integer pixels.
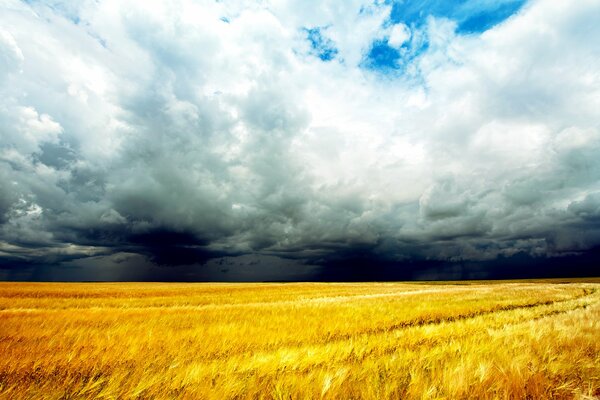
[{"x": 521, "y": 339}]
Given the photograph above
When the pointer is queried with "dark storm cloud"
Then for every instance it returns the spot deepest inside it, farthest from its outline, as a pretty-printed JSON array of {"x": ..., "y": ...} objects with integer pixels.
[{"x": 152, "y": 142}]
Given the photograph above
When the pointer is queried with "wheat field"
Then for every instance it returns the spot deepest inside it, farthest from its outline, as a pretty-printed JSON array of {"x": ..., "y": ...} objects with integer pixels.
[{"x": 300, "y": 341}]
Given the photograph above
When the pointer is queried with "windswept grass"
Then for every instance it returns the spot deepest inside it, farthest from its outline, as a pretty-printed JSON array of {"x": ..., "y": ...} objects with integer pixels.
[{"x": 367, "y": 340}]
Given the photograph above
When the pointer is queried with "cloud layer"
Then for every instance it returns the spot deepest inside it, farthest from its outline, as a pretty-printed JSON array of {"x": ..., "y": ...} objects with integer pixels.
[{"x": 198, "y": 132}]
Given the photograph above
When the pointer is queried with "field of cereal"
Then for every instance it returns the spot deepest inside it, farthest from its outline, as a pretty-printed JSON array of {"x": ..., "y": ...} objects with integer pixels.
[{"x": 520, "y": 339}]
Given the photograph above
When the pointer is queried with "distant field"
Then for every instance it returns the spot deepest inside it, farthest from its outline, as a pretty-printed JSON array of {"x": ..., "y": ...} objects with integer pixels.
[{"x": 300, "y": 341}]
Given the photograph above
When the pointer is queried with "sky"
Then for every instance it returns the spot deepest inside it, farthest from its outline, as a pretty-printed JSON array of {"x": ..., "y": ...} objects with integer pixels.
[{"x": 285, "y": 140}]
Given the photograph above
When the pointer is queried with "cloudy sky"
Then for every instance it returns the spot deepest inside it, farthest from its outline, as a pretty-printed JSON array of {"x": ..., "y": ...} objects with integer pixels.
[{"x": 274, "y": 139}]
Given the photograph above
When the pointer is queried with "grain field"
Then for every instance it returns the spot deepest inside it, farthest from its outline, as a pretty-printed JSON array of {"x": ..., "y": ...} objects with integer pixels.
[{"x": 522, "y": 339}]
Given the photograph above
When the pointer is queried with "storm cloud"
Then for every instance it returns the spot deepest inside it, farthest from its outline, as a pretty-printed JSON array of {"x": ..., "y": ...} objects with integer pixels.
[{"x": 349, "y": 140}]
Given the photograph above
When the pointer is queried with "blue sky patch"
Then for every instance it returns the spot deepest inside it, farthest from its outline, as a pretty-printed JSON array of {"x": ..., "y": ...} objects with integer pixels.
[
  {"x": 322, "y": 47},
  {"x": 487, "y": 19},
  {"x": 472, "y": 16},
  {"x": 383, "y": 56}
]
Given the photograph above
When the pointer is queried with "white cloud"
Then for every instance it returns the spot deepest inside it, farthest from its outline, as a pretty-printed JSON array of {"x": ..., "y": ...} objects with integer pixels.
[
  {"x": 164, "y": 116},
  {"x": 399, "y": 34},
  {"x": 11, "y": 56}
]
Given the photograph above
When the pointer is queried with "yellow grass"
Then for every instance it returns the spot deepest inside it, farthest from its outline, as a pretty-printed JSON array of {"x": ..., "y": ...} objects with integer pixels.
[{"x": 300, "y": 341}]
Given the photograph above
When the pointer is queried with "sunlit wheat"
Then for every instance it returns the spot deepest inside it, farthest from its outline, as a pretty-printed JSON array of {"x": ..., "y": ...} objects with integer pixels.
[{"x": 307, "y": 340}]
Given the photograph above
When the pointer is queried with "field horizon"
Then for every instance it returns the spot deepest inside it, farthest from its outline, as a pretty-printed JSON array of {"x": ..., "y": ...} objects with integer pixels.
[{"x": 372, "y": 340}]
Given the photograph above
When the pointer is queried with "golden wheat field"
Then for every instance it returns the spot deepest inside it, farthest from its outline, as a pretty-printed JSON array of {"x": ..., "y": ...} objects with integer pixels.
[{"x": 300, "y": 341}]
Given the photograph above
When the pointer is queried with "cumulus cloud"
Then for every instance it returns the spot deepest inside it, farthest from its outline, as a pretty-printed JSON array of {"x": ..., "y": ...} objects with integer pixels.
[
  {"x": 399, "y": 34},
  {"x": 187, "y": 132}
]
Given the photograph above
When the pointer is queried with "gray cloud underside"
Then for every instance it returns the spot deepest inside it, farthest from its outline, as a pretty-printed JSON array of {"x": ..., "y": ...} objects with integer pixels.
[{"x": 170, "y": 133}]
